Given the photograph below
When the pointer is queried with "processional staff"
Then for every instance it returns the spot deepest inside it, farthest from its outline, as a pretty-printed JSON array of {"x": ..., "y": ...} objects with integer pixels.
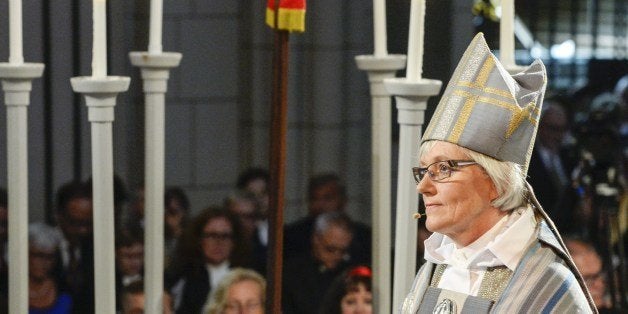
[
  {"x": 283, "y": 16},
  {"x": 380, "y": 65},
  {"x": 155, "y": 67},
  {"x": 100, "y": 93}
]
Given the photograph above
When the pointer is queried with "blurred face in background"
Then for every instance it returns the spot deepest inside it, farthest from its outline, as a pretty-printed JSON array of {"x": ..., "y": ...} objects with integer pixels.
[
  {"x": 217, "y": 240},
  {"x": 357, "y": 301},
  {"x": 40, "y": 263},
  {"x": 331, "y": 246},
  {"x": 76, "y": 221},
  {"x": 245, "y": 297},
  {"x": 326, "y": 198},
  {"x": 589, "y": 264},
  {"x": 130, "y": 259},
  {"x": 259, "y": 187},
  {"x": 246, "y": 211},
  {"x": 174, "y": 214}
]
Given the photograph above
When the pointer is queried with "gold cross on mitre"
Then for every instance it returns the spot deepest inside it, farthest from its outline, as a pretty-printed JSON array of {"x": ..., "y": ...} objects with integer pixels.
[{"x": 487, "y": 110}]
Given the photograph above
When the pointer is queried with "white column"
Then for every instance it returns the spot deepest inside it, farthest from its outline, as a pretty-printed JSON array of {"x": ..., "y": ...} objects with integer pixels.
[
  {"x": 100, "y": 97},
  {"x": 411, "y": 97},
  {"x": 155, "y": 68},
  {"x": 507, "y": 33},
  {"x": 379, "y": 68},
  {"x": 16, "y": 83}
]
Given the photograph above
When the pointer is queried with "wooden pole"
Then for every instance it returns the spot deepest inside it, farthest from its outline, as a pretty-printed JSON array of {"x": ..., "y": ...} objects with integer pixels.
[{"x": 279, "y": 125}]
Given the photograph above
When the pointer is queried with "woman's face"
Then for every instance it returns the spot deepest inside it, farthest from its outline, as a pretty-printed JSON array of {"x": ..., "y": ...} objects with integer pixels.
[
  {"x": 217, "y": 240},
  {"x": 245, "y": 297},
  {"x": 458, "y": 206},
  {"x": 40, "y": 262},
  {"x": 357, "y": 302}
]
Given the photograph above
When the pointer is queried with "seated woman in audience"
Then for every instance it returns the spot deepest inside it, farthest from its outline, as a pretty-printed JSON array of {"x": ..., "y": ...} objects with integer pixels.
[
  {"x": 44, "y": 294},
  {"x": 209, "y": 248},
  {"x": 241, "y": 291},
  {"x": 350, "y": 293}
]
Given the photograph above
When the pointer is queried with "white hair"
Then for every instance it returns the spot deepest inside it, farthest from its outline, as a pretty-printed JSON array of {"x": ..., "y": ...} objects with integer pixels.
[
  {"x": 43, "y": 236},
  {"x": 507, "y": 177},
  {"x": 218, "y": 299}
]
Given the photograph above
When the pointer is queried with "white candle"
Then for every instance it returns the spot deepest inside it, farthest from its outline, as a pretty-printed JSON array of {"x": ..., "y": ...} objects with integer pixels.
[
  {"x": 156, "y": 17},
  {"x": 15, "y": 32},
  {"x": 507, "y": 34},
  {"x": 99, "y": 49},
  {"x": 379, "y": 27},
  {"x": 414, "y": 70}
]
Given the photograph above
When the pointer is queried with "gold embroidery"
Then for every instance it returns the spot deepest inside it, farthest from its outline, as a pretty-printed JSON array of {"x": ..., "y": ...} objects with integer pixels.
[
  {"x": 517, "y": 113},
  {"x": 494, "y": 283},
  {"x": 486, "y": 69},
  {"x": 489, "y": 90},
  {"x": 465, "y": 113}
]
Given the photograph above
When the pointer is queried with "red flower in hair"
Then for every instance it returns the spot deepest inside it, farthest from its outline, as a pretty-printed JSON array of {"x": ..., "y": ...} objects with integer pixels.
[{"x": 360, "y": 271}]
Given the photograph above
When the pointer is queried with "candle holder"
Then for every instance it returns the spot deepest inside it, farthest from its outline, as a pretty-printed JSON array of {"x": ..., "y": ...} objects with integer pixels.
[
  {"x": 100, "y": 97},
  {"x": 411, "y": 98},
  {"x": 378, "y": 69},
  {"x": 155, "y": 69},
  {"x": 17, "y": 84}
]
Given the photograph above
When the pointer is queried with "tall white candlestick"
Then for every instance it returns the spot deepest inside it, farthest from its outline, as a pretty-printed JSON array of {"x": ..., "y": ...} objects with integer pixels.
[
  {"x": 414, "y": 70},
  {"x": 15, "y": 32},
  {"x": 99, "y": 52},
  {"x": 156, "y": 18},
  {"x": 507, "y": 34},
  {"x": 379, "y": 27}
]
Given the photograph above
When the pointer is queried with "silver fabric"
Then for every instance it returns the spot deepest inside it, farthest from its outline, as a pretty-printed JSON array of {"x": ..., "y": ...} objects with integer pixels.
[{"x": 487, "y": 110}]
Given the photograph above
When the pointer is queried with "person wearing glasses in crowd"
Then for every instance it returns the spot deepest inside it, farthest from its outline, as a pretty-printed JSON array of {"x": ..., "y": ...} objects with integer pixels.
[
  {"x": 493, "y": 248},
  {"x": 240, "y": 291},
  {"x": 209, "y": 248},
  {"x": 306, "y": 277}
]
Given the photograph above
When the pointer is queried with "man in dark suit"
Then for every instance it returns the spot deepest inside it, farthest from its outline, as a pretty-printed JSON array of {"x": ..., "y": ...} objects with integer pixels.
[
  {"x": 551, "y": 165},
  {"x": 309, "y": 274},
  {"x": 326, "y": 194},
  {"x": 74, "y": 216}
]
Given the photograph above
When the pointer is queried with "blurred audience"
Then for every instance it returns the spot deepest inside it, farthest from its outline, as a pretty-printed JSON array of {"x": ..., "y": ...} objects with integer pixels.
[
  {"x": 551, "y": 165},
  {"x": 240, "y": 291},
  {"x": 307, "y": 276},
  {"x": 74, "y": 215},
  {"x": 256, "y": 180},
  {"x": 326, "y": 194},
  {"x": 176, "y": 216},
  {"x": 132, "y": 297},
  {"x": 209, "y": 248},
  {"x": 350, "y": 293},
  {"x": 589, "y": 263},
  {"x": 44, "y": 292},
  {"x": 129, "y": 257},
  {"x": 244, "y": 205}
]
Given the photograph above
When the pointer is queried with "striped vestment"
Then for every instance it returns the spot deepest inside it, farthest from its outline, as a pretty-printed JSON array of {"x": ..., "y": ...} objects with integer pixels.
[{"x": 543, "y": 282}]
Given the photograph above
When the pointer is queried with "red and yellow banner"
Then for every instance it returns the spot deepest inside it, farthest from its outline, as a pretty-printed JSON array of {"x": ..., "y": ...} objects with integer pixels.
[{"x": 291, "y": 15}]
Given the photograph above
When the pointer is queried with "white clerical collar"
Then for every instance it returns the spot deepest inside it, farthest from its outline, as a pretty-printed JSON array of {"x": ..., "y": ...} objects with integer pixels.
[
  {"x": 262, "y": 231},
  {"x": 503, "y": 244},
  {"x": 217, "y": 272}
]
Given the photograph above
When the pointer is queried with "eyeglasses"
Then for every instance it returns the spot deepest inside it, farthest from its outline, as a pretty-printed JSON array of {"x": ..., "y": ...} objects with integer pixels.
[
  {"x": 439, "y": 170},
  {"x": 217, "y": 236},
  {"x": 237, "y": 307}
]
